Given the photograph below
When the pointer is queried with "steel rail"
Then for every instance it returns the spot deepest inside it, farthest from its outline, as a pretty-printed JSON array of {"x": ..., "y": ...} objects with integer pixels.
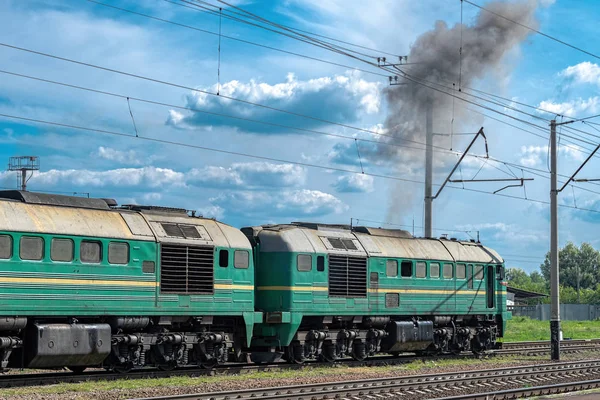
[
  {"x": 529, "y": 391},
  {"x": 431, "y": 384}
]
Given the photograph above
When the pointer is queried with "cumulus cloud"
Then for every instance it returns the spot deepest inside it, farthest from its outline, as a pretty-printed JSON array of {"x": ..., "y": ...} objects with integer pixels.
[
  {"x": 532, "y": 156},
  {"x": 296, "y": 203},
  {"x": 584, "y": 72},
  {"x": 355, "y": 183},
  {"x": 572, "y": 108},
  {"x": 342, "y": 98},
  {"x": 150, "y": 177},
  {"x": 122, "y": 157},
  {"x": 253, "y": 175},
  {"x": 249, "y": 175}
]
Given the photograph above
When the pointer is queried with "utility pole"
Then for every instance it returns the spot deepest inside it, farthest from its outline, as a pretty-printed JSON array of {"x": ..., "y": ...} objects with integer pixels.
[
  {"x": 428, "y": 170},
  {"x": 554, "y": 288},
  {"x": 554, "y": 266}
]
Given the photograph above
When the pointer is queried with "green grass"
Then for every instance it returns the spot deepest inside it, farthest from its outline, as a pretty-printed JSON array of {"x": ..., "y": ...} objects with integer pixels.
[
  {"x": 125, "y": 388},
  {"x": 521, "y": 329}
]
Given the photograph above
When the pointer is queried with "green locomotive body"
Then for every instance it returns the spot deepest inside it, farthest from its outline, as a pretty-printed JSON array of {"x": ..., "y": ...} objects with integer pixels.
[
  {"x": 331, "y": 291},
  {"x": 84, "y": 283}
]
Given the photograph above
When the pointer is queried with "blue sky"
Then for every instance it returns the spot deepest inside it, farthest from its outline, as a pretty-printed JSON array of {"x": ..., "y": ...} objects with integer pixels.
[{"x": 242, "y": 190}]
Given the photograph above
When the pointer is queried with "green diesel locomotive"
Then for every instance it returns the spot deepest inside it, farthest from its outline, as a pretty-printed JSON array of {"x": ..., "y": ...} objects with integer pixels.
[
  {"x": 88, "y": 283},
  {"x": 331, "y": 291},
  {"x": 85, "y": 283}
]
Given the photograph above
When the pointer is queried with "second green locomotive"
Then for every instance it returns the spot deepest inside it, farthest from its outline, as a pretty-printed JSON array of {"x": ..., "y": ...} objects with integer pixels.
[{"x": 331, "y": 291}]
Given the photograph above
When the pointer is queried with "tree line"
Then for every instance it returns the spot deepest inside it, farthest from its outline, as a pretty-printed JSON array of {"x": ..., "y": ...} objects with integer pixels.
[{"x": 579, "y": 274}]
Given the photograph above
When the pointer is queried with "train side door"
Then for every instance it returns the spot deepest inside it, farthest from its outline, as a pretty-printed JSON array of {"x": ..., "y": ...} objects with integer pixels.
[
  {"x": 490, "y": 290},
  {"x": 373, "y": 293}
]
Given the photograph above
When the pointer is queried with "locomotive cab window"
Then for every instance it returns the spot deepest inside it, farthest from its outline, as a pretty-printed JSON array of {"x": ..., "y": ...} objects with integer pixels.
[
  {"x": 421, "y": 269},
  {"x": 223, "y": 258},
  {"x": 118, "y": 253},
  {"x": 31, "y": 248},
  {"x": 320, "y": 263},
  {"x": 304, "y": 262},
  {"x": 62, "y": 250},
  {"x": 461, "y": 271},
  {"x": 448, "y": 271},
  {"x": 470, "y": 276},
  {"x": 241, "y": 259},
  {"x": 499, "y": 272},
  {"x": 90, "y": 252},
  {"x": 391, "y": 268},
  {"x": 479, "y": 272},
  {"x": 434, "y": 270},
  {"x": 6, "y": 247},
  {"x": 406, "y": 269}
]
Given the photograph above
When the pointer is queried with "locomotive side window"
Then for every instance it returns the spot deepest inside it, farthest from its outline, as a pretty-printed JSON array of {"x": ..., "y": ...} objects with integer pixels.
[
  {"x": 90, "y": 252},
  {"x": 118, "y": 253},
  {"x": 470, "y": 276},
  {"x": 31, "y": 248},
  {"x": 461, "y": 271},
  {"x": 391, "y": 268},
  {"x": 479, "y": 272},
  {"x": 240, "y": 259},
  {"x": 223, "y": 258},
  {"x": 320, "y": 263},
  {"x": 374, "y": 277},
  {"x": 448, "y": 271},
  {"x": 421, "y": 270},
  {"x": 304, "y": 262},
  {"x": 62, "y": 250},
  {"x": 406, "y": 269},
  {"x": 148, "y": 267},
  {"x": 434, "y": 270},
  {"x": 6, "y": 245}
]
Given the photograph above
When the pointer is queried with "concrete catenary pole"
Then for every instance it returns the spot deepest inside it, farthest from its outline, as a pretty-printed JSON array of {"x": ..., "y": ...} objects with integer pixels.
[
  {"x": 554, "y": 275},
  {"x": 428, "y": 171}
]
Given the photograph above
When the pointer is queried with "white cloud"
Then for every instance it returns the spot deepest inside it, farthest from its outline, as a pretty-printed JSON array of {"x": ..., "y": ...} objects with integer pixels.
[
  {"x": 355, "y": 183},
  {"x": 122, "y": 157},
  {"x": 249, "y": 175},
  {"x": 572, "y": 108},
  {"x": 151, "y": 177},
  {"x": 296, "y": 203},
  {"x": 532, "y": 156},
  {"x": 341, "y": 98},
  {"x": 585, "y": 72},
  {"x": 212, "y": 211}
]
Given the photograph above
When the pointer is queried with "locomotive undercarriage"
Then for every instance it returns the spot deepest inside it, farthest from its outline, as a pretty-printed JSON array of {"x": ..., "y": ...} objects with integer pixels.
[
  {"x": 332, "y": 338},
  {"x": 120, "y": 343}
]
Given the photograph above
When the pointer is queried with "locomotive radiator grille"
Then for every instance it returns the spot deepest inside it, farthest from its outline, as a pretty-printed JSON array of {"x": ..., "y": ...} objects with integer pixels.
[
  {"x": 347, "y": 276},
  {"x": 186, "y": 269}
]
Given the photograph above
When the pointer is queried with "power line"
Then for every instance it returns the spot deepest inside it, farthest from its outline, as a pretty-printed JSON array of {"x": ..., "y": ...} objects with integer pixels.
[
  {"x": 328, "y": 168},
  {"x": 235, "y": 39},
  {"x": 532, "y": 29},
  {"x": 318, "y": 59}
]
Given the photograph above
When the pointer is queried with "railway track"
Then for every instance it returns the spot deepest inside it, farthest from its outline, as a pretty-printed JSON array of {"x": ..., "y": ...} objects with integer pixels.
[
  {"x": 519, "y": 348},
  {"x": 419, "y": 386},
  {"x": 546, "y": 343}
]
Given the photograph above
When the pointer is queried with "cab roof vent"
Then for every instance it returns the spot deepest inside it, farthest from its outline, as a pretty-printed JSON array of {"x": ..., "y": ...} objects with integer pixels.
[{"x": 55, "y": 199}]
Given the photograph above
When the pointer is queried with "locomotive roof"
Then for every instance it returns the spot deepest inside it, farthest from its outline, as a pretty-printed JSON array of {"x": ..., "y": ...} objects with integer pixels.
[
  {"x": 366, "y": 241},
  {"x": 68, "y": 215}
]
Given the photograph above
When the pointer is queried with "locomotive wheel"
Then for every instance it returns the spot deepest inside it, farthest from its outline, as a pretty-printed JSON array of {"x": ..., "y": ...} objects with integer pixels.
[
  {"x": 209, "y": 364},
  {"x": 123, "y": 368},
  {"x": 329, "y": 353},
  {"x": 170, "y": 366},
  {"x": 358, "y": 351},
  {"x": 293, "y": 356},
  {"x": 76, "y": 370}
]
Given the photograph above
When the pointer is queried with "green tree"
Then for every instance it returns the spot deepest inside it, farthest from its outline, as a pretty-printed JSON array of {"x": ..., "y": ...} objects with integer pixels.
[
  {"x": 576, "y": 264},
  {"x": 533, "y": 282}
]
